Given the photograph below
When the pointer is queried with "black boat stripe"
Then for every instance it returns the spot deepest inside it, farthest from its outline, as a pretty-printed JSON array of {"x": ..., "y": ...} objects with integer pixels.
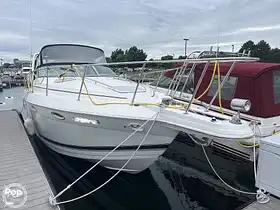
[{"x": 133, "y": 147}]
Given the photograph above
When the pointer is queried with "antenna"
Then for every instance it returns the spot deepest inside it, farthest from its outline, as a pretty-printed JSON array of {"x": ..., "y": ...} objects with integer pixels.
[
  {"x": 218, "y": 51},
  {"x": 218, "y": 40},
  {"x": 30, "y": 29}
]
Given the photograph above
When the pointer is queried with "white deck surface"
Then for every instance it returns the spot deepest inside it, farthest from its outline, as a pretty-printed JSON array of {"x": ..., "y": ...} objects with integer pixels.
[{"x": 19, "y": 163}]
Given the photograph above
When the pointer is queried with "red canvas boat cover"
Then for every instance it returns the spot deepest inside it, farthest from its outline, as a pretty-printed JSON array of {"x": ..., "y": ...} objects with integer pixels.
[{"x": 254, "y": 82}]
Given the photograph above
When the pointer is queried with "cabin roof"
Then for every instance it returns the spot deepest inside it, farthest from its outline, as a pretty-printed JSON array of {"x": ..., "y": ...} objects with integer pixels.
[{"x": 252, "y": 70}]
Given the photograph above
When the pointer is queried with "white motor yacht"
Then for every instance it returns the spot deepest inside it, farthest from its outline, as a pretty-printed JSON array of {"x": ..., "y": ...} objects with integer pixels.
[{"x": 80, "y": 108}]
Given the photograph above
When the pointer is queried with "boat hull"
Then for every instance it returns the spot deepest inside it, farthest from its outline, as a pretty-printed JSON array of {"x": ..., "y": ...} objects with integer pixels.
[{"x": 61, "y": 133}]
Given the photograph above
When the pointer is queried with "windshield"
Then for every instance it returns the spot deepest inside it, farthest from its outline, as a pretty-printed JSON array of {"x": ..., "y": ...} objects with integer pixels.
[
  {"x": 75, "y": 71},
  {"x": 65, "y": 53}
]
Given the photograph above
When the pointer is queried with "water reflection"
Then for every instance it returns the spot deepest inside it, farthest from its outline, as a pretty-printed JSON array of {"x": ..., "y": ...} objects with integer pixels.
[
  {"x": 126, "y": 191},
  {"x": 170, "y": 183}
]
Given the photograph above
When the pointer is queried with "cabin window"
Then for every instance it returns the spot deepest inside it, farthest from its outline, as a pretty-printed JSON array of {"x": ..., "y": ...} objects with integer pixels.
[
  {"x": 276, "y": 86},
  {"x": 228, "y": 89}
]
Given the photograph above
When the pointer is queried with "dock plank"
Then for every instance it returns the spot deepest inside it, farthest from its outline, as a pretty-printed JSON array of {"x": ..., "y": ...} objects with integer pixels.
[
  {"x": 19, "y": 163},
  {"x": 273, "y": 204}
]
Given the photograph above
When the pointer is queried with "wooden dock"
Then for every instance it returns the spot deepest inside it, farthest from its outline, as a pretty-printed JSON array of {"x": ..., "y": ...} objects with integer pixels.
[
  {"x": 273, "y": 204},
  {"x": 19, "y": 164}
]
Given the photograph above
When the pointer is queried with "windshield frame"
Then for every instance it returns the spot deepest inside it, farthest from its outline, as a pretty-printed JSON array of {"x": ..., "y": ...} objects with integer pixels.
[{"x": 100, "y": 55}]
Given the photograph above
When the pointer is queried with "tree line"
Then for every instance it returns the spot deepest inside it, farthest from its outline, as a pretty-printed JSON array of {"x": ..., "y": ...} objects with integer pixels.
[
  {"x": 131, "y": 54},
  {"x": 262, "y": 50}
]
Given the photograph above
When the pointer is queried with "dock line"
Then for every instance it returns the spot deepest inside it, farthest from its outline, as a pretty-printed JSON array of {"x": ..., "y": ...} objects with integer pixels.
[{"x": 261, "y": 195}]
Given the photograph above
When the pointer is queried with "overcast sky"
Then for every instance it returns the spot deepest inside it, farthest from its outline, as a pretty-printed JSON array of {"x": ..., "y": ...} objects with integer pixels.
[{"x": 157, "y": 26}]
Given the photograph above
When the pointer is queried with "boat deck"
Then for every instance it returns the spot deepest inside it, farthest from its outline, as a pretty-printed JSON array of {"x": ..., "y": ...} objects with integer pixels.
[
  {"x": 273, "y": 204},
  {"x": 19, "y": 163}
]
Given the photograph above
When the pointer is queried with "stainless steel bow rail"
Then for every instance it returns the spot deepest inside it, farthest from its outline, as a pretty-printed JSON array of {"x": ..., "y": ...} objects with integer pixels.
[
  {"x": 180, "y": 71},
  {"x": 187, "y": 65}
]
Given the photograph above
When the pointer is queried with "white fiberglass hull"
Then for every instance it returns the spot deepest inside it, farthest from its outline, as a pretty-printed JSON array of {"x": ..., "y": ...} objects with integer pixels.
[{"x": 93, "y": 142}]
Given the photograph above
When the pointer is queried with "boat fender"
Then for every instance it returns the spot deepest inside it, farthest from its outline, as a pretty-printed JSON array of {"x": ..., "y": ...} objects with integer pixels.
[
  {"x": 29, "y": 126},
  {"x": 248, "y": 142}
]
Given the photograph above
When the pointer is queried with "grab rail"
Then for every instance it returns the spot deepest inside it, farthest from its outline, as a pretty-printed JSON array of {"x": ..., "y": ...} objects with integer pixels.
[
  {"x": 47, "y": 83},
  {"x": 82, "y": 83},
  {"x": 198, "y": 85},
  {"x": 222, "y": 84},
  {"x": 138, "y": 82},
  {"x": 33, "y": 69},
  {"x": 197, "y": 60}
]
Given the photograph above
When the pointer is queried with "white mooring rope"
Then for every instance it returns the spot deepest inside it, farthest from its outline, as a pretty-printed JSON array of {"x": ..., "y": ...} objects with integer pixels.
[
  {"x": 254, "y": 151},
  {"x": 261, "y": 195},
  {"x": 52, "y": 200}
]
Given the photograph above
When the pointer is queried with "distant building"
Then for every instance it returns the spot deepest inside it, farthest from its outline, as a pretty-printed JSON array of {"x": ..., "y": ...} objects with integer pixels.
[
  {"x": 21, "y": 63},
  {"x": 16, "y": 66}
]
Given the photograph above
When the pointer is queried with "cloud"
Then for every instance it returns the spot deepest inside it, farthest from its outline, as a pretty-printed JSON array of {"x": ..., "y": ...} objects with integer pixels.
[
  {"x": 253, "y": 29},
  {"x": 157, "y": 26},
  {"x": 5, "y": 35},
  {"x": 12, "y": 44}
]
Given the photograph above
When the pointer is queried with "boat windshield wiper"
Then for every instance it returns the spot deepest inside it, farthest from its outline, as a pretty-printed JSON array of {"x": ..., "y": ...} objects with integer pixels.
[{"x": 66, "y": 70}]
